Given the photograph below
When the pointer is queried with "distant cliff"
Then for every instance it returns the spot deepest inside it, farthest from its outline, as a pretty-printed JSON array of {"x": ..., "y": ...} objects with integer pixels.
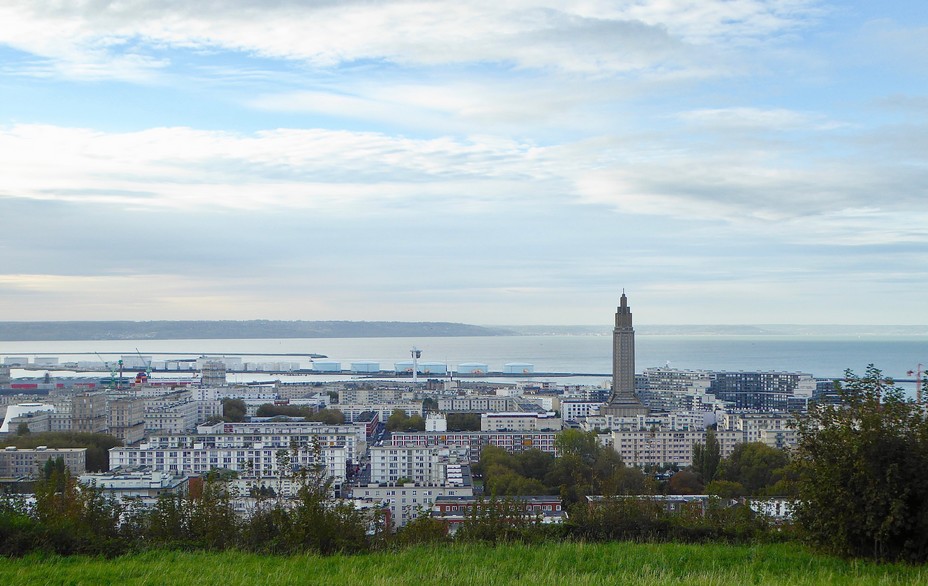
[{"x": 187, "y": 330}]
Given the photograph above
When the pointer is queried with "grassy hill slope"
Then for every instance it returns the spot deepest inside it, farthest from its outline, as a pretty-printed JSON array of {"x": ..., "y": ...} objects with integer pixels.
[{"x": 549, "y": 564}]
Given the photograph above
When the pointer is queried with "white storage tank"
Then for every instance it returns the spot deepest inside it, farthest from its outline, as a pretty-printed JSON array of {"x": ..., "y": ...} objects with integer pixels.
[
  {"x": 473, "y": 368},
  {"x": 518, "y": 368},
  {"x": 433, "y": 368},
  {"x": 365, "y": 366},
  {"x": 327, "y": 366},
  {"x": 405, "y": 366}
]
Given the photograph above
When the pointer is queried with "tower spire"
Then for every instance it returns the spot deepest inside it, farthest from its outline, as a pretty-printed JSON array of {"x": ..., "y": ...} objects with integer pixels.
[{"x": 624, "y": 402}]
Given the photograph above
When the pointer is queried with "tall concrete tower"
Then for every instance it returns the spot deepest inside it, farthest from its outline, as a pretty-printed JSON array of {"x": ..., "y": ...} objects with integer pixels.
[
  {"x": 623, "y": 350},
  {"x": 624, "y": 402}
]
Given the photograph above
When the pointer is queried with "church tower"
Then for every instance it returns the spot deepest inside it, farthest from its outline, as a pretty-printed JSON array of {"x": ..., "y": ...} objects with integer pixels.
[
  {"x": 624, "y": 402},
  {"x": 623, "y": 350}
]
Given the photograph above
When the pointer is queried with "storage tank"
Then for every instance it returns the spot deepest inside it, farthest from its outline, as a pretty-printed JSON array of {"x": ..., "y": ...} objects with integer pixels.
[
  {"x": 405, "y": 366},
  {"x": 365, "y": 366},
  {"x": 473, "y": 368},
  {"x": 433, "y": 368},
  {"x": 518, "y": 368},
  {"x": 328, "y": 366}
]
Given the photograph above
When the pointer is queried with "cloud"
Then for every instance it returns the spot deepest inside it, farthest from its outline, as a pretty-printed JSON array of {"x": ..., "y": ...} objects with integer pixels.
[
  {"x": 98, "y": 38},
  {"x": 757, "y": 119},
  {"x": 794, "y": 188}
]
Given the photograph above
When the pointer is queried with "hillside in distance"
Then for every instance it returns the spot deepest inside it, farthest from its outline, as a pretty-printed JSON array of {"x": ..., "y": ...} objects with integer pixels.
[{"x": 252, "y": 329}]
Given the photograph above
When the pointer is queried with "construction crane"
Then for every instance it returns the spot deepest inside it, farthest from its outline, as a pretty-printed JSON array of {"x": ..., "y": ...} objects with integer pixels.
[
  {"x": 918, "y": 382},
  {"x": 115, "y": 369},
  {"x": 147, "y": 372}
]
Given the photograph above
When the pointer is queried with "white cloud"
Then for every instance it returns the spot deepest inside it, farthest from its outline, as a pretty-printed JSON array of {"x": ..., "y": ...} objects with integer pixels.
[
  {"x": 590, "y": 37},
  {"x": 757, "y": 119},
  {"x": 794, "y": 191}
]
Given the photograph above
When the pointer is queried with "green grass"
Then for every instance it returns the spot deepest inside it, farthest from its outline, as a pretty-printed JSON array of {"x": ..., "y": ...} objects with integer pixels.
[{"x": 550, "y": 564}]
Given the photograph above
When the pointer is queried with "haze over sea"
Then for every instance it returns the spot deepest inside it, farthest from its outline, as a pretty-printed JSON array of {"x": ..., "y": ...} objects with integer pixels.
[{"x": 820, "y": 355}]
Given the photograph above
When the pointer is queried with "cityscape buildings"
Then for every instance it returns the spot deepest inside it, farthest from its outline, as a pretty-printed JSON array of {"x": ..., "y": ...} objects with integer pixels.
[{"x": 174, "y": 433}]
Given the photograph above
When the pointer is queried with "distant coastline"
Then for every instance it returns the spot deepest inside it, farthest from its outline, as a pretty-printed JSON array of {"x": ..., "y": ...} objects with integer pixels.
[{"x": 53, "y": 331}]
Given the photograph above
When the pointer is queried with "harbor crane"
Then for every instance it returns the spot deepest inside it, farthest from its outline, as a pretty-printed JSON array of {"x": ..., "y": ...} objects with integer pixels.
[{"x": 115, "y": 369}]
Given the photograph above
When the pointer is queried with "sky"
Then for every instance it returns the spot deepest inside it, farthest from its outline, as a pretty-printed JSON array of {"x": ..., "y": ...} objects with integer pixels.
[{"x": 518, "y": 162}]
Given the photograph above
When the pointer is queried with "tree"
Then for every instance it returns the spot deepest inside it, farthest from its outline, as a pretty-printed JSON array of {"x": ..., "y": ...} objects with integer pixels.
[
  {"x": 684, "y": 482},
  {"x": 234, "y": 410},
  {"x": 706, "y": 457},
  {"x": 400, "y": 421},
  {"x": 725, "y": 489},
  {"x": 755, "y": 466},
  {"x": 328, "y": 416},
  {"x": 22, "y": 429},
  {"x": 578, "y": 443},
  {"x": 463, "y": 421},
  {"x": 863, "y": 486}
]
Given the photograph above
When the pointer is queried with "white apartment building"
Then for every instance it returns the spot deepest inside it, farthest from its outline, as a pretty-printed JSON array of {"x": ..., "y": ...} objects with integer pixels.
[
  {"x": 776, "y": 430},
  {"x": 410, "y": 500},
  {"x": 375, "y": 395},
  {"x": 574, "y": 410},
  {"x": 144, "y": 486},
  {"x": 656, "y": 447},
  {"x": 520, "y": 422},
  {"x": 546, "y": 402},
  {"x": 23, "y": 462},
  {"x": 176, "y": 417},
  {"x": 414, "y": 463},
  {"x": 511, "y": 441},
  {"x": 383, "y": 410},
  {"x": 252, "y": 459},
  {"x": 352, "y": 436},
  {"x": 477, "y": 404}
]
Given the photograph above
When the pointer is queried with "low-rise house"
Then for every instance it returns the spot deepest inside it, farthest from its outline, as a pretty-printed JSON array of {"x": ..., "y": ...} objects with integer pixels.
[{"x": 455, "y": 510}]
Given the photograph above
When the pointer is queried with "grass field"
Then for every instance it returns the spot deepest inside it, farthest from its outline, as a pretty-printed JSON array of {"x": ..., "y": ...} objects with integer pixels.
[{"x": 550, "y": 564}]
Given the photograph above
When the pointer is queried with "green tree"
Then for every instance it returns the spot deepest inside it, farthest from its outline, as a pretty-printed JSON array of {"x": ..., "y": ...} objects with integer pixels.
[
  {"x": 725, "y": 489},
  {"x": 706, "y": 457},
  {"x": 755, "y": 466},
  {"x": 328, "y": 416},
  {"x": 400, "y": 421},
  {"x": 582, "y": 444},
  {"x": 234, "y": 410},
  {"x": 23, "y": 429},
  {"x": 463, "y": 421},
  {"x": 684, "y": 482},
  {"x": 862, "y": 485}
]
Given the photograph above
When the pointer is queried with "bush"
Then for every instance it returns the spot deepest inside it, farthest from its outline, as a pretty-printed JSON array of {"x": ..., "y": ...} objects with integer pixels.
[{"x": 863, "y": 472}]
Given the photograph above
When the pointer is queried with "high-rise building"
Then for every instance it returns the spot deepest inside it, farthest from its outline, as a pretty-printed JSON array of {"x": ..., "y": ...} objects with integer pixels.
[
  {"x": 88, "y": 413},
  {"x": 623, "y": 402}
]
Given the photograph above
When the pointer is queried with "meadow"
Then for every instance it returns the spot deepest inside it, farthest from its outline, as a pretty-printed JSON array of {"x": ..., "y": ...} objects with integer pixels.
[{"x": 545, "y": 564}]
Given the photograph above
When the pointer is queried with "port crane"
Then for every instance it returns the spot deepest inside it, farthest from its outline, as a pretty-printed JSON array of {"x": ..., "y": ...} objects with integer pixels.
[
  {"x": 147, "y": 364},
  {"x": 115, "y": 369}
]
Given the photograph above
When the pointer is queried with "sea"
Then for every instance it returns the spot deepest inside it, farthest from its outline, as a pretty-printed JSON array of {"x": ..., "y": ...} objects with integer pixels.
[{"x": 586, "y": 358}]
